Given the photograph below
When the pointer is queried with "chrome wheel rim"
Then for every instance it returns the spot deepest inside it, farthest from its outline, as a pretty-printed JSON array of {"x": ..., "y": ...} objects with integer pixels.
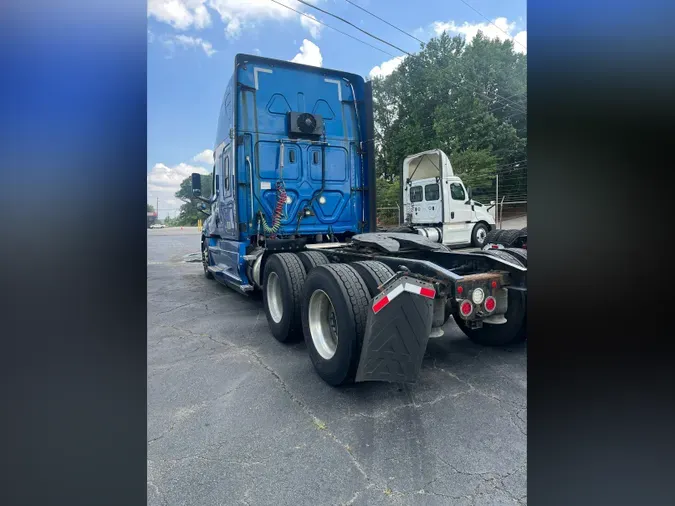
[
  {"x": 481, "y": 234},
  {"x": 323, "y": 324},
  {"x": 275, "y": 303}
]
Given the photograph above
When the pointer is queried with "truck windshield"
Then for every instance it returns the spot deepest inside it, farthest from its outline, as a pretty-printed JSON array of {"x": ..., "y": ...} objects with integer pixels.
[{"x": 416, "y": 194}]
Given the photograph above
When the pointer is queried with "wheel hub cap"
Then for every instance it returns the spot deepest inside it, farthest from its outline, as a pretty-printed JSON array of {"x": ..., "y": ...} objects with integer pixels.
[
  {"x": 323, "y": 326},
  {"x": 275, "y": 303}
]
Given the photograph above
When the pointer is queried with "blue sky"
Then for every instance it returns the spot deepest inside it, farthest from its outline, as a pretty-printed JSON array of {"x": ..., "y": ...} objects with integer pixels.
[{"x": 192, "y": 43}]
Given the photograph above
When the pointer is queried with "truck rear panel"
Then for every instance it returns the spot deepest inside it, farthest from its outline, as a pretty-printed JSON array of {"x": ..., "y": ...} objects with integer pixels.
[{"x": 322, "y": 174}]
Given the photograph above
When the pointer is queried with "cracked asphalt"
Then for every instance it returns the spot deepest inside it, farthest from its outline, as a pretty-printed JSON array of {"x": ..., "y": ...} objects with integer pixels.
[{"x": 235, "y": 417}]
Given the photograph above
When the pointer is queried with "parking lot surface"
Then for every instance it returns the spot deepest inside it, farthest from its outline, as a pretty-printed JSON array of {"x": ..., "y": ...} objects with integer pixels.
[{"x": 235, "y": 417}]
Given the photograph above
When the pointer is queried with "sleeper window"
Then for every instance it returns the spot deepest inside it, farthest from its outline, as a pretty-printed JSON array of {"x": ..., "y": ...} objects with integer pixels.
[
  {"x": 416, "y": 194},
  {"x": 431, "y": 192}
]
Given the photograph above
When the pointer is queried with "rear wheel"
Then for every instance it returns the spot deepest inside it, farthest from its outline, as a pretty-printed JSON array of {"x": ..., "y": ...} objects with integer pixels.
[
  {"x": 334, "y": 313},
  {"x": 512, "y": 331},
  {"x": 311, "y": 259},
  {"x": 205, "y": 259},
  {"x": 282, "y": 292},
  {"x": 374, "y": 274}
]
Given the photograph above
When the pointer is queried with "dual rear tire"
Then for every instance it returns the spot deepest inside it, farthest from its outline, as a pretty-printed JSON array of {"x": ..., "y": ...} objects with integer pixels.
[{"x": 304, "y": 295}]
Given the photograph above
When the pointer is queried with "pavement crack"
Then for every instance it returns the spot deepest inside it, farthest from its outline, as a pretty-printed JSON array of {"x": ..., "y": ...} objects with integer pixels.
[
  {"x": 414, "y": 404},
  {"x": 284, "y": 386},
  {"x": 478, "y": 391},
  {"x": 356, "y": 495}
]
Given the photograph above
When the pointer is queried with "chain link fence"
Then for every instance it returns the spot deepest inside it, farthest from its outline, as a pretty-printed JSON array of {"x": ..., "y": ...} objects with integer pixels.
[
  {"x": 508, "y": 195},
  {"x": 388, "y": 216}
]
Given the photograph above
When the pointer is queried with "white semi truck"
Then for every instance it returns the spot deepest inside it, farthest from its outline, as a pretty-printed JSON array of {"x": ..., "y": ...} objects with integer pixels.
[{"x": 437, "y": 205}]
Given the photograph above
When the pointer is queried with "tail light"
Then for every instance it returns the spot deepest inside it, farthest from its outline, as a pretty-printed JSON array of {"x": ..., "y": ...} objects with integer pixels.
[
  {"x": 466, "y": 308},
  {"x": 490, "y": 304}
]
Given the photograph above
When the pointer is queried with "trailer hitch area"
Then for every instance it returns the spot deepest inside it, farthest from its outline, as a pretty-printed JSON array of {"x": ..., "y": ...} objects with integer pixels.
[{"x": 397, "y": 331}]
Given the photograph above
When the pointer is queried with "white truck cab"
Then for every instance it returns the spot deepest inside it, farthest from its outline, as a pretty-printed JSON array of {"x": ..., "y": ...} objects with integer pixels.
[{"x": 437, "y": 204}]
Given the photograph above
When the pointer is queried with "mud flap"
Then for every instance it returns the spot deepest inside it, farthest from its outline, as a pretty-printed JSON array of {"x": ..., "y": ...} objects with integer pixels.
[{"x": 396, "y": 338}]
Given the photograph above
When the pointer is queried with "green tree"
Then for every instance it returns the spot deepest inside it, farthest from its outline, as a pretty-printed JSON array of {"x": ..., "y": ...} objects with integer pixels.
[
  {"x": 189, "y": 211},
  {"x": 467, "y": 99}
]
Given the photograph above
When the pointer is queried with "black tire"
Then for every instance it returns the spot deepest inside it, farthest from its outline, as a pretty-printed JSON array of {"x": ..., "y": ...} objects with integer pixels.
[
  {"x": 509, "y": 237},
  {"x": 311, "y": 259},
  {"x": 512, "y": 331},
  {"x": 523, "y": 230},
  {"x": 501, "y": 253},
  {"x": 475, "y": 241},
  {"x": 493, "y": 236},
  {"x": 205, "y": 260},
  {"x": 291, "y": 277},
  {"x": 348, "y": 294},
  {"x": 519, "y": 253},
  {"x": 374, "y": 274},
  {"x": 403, "y": 229}
]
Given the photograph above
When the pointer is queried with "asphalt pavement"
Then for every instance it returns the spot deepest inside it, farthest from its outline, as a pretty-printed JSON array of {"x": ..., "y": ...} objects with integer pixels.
[{"x": 235, "y": 417}]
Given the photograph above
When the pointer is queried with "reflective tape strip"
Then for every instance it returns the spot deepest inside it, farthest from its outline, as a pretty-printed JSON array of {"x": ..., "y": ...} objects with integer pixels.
[
  {"x": 420, "y": 290},
  {"x": 398, "y": 290},
  {"x": 391, "y": 295}
]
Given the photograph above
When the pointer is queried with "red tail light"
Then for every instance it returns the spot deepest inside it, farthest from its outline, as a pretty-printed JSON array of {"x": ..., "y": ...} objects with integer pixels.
[
  {"x": 490, "y": 304},
  {"x": 460, "y": 290},
  {"x": 466, "y": 308},
  {"x": 494, "y": 284}
]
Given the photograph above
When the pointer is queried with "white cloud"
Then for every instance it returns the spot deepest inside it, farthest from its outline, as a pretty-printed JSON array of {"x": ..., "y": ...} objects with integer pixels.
[
  {"x": 164, "y": 182},
  {"x": 520, "y": 40},
  {"x": 385, "y": 68},
  {"x": 309, "y": 54},
  {"x": 257, "y": 51},
  {"x": 238, "y": 15},
  {"x": 312, "y": 25},
  {"x": 181, "y": 14},
  {"x": 187, "y": 41},
  {"x": 499, "y": 29},
  {"x": 164, "y": 178},
  {"x": 205, "y": 156},
  {"x": 233, "y": 28}
]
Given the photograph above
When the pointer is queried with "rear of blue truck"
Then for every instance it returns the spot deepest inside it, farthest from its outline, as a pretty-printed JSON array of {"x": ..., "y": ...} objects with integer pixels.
[
  {"x": 292, "y": 215},
  {"x": 291, "y": 164}
]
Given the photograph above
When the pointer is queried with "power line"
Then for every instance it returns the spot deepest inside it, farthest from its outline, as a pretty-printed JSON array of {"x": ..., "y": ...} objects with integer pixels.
[
  {"x": 489, "y": 21},
  {"x": 333, "y": 28},
  {"x": 480, "y": 93},
  {"x": 384, "y": 21},
  {"x": 352, "y": 24}
]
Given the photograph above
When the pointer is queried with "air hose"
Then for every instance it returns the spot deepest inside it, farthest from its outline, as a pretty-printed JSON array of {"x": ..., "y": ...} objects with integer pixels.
[
  {"x": 278, "y": 211},
  {"x": 281, "y": 199}
]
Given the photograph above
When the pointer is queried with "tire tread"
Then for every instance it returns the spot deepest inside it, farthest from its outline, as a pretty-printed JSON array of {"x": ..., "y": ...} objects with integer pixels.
[
  {"x": 311, "y": 259},
  {"x": 297, "y": 275},
  {"x": 379, "y": 272}
]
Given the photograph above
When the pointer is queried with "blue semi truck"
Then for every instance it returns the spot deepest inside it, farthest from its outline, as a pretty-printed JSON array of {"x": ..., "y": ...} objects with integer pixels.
[{"x": 292, "y": 215}]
